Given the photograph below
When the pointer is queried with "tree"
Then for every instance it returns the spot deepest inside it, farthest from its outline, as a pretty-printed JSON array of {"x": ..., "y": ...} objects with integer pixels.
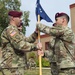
[
  {"x": 5, "y": 6},
  {"x": 25, "y": 20}
]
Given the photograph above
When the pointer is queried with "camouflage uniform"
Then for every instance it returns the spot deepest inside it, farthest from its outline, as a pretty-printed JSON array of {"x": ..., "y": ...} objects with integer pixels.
[
  {"x": 14, "y": 44},
  {"x": 64, "y": 44}
]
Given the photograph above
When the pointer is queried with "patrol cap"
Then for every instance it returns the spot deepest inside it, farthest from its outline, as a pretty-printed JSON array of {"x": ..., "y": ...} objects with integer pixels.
[
  {"x": 15, "y": 13},
  {"x": 61, "y": 14}
]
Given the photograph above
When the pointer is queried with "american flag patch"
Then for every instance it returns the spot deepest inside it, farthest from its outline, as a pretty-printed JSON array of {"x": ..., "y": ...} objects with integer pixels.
[{"x": 12, "y": 33}]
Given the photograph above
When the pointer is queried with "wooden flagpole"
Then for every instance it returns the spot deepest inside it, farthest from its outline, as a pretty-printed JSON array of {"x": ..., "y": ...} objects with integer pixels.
[{"x": 40, "y": 64}]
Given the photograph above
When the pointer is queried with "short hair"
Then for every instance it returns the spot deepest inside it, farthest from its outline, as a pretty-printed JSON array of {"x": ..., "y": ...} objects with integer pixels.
[{"x": 62, "y": 15}]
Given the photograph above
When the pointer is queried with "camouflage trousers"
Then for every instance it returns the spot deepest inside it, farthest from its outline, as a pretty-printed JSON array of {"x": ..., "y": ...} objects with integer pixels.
[
  {"x": 56, "y": 71},
  {"x": 18, "y": 71},
  {"x": 54, "y": 68},
  {"x": 67, "y": 72}
]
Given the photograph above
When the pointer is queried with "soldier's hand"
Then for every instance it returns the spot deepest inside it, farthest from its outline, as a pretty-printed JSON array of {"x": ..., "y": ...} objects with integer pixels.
[
  {"x": 41, "y": 52},
  {"x": 38, "y": 23},
  {"x": 39, "y": 46},
  {"x": 36, "y": 30}
]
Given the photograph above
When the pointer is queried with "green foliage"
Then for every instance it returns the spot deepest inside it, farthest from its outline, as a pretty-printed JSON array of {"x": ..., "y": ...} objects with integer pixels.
[
  {"x": 25, "y": 20},
  {"x": 37, "y": 62},
  {"x": 45, "y": 62},
  {"x": 23, "y": 29}
]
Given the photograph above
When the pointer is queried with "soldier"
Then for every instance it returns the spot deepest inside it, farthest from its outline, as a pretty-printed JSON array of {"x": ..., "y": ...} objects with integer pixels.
[
  {"x": 62, "y": 45},
  {"x": 14, "y": 44}
]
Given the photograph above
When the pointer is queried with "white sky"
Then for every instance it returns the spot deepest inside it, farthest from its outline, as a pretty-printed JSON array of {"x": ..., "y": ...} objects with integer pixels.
[{"x": 51, "y": 7}]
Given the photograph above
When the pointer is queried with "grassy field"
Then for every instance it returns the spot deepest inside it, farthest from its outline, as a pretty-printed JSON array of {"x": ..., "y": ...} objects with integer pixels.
[{"x": 36, "y": 72}]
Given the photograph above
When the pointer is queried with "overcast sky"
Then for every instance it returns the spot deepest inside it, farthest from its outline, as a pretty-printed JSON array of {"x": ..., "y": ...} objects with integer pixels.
[{"x": 50, "y": 6}]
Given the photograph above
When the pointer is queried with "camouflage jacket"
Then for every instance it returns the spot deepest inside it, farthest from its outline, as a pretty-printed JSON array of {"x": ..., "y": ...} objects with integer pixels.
[
  {"x": 64, "y": 41},
  {"x": 14, "y": 43}
]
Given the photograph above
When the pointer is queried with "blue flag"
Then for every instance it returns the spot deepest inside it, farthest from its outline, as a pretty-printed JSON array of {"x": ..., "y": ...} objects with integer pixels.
[{"x": 41, "y": 12}]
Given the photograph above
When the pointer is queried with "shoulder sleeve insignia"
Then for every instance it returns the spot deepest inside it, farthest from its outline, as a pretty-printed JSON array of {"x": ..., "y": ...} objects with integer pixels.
[{"x": 12, "y": 33}]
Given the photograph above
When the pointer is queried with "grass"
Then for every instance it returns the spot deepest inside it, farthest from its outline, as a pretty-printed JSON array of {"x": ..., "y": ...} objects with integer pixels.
[{"x": 36, "y": 72}]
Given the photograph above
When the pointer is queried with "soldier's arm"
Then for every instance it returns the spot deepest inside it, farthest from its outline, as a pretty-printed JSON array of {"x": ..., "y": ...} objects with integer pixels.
[
  {"x": 32, "y": 37},
  {"x": 53, "y": 31},
  {"x": 18, "y": 42},
  {"x": 57, "y": 31},
  {"x": 69, "y": 36}
]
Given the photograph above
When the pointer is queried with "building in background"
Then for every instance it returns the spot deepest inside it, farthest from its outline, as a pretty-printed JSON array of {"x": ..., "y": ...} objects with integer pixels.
[{"x": 72, "y": 14}]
